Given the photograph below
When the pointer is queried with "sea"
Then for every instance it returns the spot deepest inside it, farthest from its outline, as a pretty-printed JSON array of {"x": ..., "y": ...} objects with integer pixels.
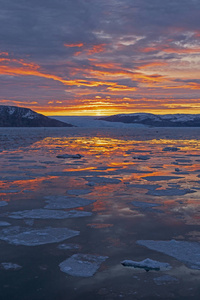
[{"x": 99, "y": 211}]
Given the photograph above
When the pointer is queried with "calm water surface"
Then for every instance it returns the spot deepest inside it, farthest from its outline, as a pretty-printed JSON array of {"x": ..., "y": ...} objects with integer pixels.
[{"x": 120, "y": 171}]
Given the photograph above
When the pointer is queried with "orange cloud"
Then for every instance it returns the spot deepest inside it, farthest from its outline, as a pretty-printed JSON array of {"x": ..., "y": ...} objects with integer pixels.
[
  {"x": 153, "y": 64},
  {"x": 74, "y": 45},
  {"x": 92, "y": 50},
  {"x": 168, "y": 49},
  {"x": 29, "y": 71},
  {"x": 182, "y": 50},
  {"x": 20, "y": 62},
  {"x": 121, "y": 88},
  {"x": 96, "y": 49},
  {"x": 4, "y": 53},
  {"x": 191, "y": 85},
  {"x": 104, "y": 65}
]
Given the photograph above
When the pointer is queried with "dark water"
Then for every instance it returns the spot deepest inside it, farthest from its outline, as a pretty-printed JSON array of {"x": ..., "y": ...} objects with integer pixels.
[{"x": 121, "y": 170}]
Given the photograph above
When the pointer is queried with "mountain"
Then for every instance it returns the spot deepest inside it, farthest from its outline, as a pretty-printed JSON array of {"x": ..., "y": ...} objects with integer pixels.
[
  {"x": 171, "y": 120},
  {"x": 13, "y": 116}
]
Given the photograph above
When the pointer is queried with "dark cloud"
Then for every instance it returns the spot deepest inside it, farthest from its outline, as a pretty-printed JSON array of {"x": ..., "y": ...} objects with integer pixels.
[{"x": 106, "y": 41}]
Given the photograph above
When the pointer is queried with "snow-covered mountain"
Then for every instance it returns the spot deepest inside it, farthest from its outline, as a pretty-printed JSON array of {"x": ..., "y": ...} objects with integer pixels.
[
  {"x": 13, "y": 116},
  {"x": 170, "y": 120}
]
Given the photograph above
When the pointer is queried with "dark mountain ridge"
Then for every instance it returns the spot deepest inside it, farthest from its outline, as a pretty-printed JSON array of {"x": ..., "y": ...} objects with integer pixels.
[
  {"x": 169, "y": 120},
  {"x": 14, "y": 116}
]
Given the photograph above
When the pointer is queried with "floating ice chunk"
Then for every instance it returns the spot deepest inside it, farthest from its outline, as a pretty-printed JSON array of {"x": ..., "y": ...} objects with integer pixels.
[
  {"x": 90, "y": 184},
  {"x": 160, "y": 178},
  {"x": 186, "y": 252},
  {"x": 2, "y": 223},
  {"x": 77, "y": 173},
  {"x": 147, "y": 264},
  {"x": 60, "y": 202},
  {"x": 183, "y": 160},
  {"x": 170, "y": 192},
  {"x": 171, "y": 149},
  {"x": 142, "y": 157},
  {"x": 144, "y": 204},
  {"x": 147, "y": 206},
  {"x": 9, "y": 191},
  {"x": 48, "y": 214},
  {"x": 33, "y": 167},
  {"x": 28, "y": 191},
  {"x": 102, "y": 180},
  {"x": 10, "y": 266},
  {"x": 165, "y": 279},
  {"x": 17, "y": 178},
  {"x": 181, "y": 173},
  {"x": 145, "y": 186},
  {"x": 29, "y": 222},
  {"x": 70, "y": 156},
  {"x": 3, "y": 203},
  {"x": 134, "y": 171},
  {"x": 78, "y": 192},
  {"x": 68, "y": 247},
  {"x": 84, "y": 265},
  {"x": 48, "y": 162},
  {"x": 24, "y": 236}
]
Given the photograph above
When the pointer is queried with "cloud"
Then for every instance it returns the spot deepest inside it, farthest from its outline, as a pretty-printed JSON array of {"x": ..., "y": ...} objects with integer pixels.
[{"x": 71, "y": 50}]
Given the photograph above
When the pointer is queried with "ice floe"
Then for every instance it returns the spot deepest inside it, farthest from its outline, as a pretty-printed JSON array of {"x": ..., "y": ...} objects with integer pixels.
[
  {"x": 60, "y": 202},
  {"x": 102, "y": 180},
  {"x": 145, "y": 186},
  {"x": 17, "y": 178},
  {"x": 29, "y": 222},
  {"x": 32, "y": 237},
  {"x": 171, "y": 149},
  {"x": 33, "y": 167},
  {"x": 180, "y": 160},
  {"x": 9, "y": 191},
  {"x": 136, "y": 171},
  {"x": 144, "y": 204},
  {"x": 142, "y": 157},
  {"x": 186, "y": 252},
  {"x": 83, "y": 265},
  {"x": 78, "y": 192},
  {"x": 74, "y": 156},
  {"x": 48, "y": 214},
  {"x": 160, "y": 178},
  {"x": 10, "y": 266},
  {"x": 68, "y": 247},
  {"x": 170, "y": 192},
  {"x": 165, "y": 279},
  {"x": 2, "y": 223},
  {"x": 3, "y": 203},
  {"x": 147, "y": 264}
]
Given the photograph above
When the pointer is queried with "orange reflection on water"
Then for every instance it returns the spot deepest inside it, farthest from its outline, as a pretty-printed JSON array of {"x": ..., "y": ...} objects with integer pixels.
[
  {"x": 102, "y": 154},
  {"x": 87, "y": 145},
  {"x": 99, "y": 206}
]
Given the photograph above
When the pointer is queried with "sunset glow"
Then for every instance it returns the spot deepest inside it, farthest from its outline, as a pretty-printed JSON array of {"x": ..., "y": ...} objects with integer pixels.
[{"x": 95, "y": 58}]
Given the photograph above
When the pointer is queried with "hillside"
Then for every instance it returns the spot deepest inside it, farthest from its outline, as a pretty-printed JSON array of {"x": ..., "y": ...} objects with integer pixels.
[
  {"x": 13, "y": 116},
  {"x": 170, "y": 120}
]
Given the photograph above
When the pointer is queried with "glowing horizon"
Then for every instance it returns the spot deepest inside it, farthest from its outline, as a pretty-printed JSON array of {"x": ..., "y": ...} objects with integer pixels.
[{"x": 100, "y": 58}]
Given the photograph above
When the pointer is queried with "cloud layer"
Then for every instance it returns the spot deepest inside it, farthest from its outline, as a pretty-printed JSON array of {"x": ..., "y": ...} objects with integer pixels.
[{"x": 100, "y": 57}]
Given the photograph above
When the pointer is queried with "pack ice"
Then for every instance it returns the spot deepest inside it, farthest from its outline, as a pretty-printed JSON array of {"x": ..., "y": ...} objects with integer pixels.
[
  {"x": 84, "y": 265},
  {"x": 146, "y": 264},
  {"x": 48, "y": 214},
  {"x": 24, "y": 236},
  {"x": 186, "y": 252},
  {"x": 59, "y": 202}
]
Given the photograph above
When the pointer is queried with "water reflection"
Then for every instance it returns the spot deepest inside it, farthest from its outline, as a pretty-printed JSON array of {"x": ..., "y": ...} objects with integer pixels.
[{"x": 125, "y": 206}]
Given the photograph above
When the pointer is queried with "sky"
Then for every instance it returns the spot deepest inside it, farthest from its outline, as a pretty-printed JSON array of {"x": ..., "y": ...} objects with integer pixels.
[{"x": 100, "y": 57}]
